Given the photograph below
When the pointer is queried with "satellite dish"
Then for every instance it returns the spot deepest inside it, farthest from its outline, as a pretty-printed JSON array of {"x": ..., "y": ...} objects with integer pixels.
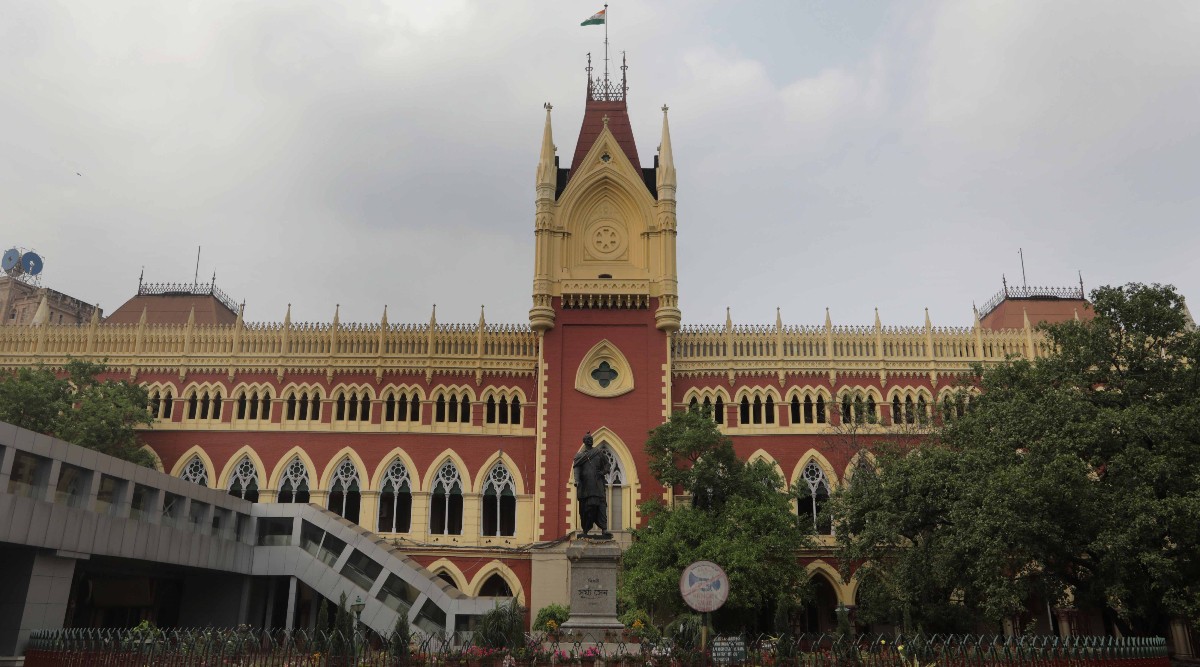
[
  {"x": 11, "y": 258},
  {"x": 32, "y": 263}
]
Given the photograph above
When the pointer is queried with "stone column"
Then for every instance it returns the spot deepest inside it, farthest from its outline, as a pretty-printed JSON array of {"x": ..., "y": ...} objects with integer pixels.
[
  {"x": 33, "y": 595},
  {"x": 290, "y": 617}
]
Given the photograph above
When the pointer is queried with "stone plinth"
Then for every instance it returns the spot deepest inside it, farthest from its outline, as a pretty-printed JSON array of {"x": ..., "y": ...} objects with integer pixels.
[{"x": 594, "y": 567}]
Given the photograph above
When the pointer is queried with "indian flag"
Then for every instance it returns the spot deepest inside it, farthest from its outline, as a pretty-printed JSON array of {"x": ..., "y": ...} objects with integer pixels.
[{"x": 596, "y": 19}]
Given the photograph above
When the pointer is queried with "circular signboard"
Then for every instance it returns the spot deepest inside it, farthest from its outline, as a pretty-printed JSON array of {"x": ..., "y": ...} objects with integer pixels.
[{"x": 704, "y": 586}]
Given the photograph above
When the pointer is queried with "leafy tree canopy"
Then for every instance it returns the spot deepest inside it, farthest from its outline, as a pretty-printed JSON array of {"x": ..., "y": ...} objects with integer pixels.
[
  {"x": 1074, "y": 480},
  {"x": 78, "y": 407},
  {"x": 741, "y": 519}
]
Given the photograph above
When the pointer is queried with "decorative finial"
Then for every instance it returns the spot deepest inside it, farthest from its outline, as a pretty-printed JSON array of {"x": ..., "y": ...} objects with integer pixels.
[
  {"x": 665, "y": 108},
  {"x": 548, "y": 106},
  {"x": 605, "y": 119}
]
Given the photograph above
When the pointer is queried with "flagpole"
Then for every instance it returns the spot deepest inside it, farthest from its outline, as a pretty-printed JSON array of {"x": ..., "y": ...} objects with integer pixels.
[{"x": 605, "y": 42}]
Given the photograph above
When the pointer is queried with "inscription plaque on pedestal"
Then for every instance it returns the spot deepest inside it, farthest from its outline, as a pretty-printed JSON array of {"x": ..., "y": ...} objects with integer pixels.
[{"x": 594, "y": 566}]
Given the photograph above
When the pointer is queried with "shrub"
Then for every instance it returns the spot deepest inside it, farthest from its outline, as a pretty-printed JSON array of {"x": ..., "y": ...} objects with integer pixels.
[
  {"x": 639, "y": 624},
  {"x": 502, "y": 627},
  {"x": 551, "y": 612}
]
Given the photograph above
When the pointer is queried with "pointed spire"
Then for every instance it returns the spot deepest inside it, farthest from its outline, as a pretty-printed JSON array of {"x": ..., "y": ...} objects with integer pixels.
[
  {"x": 287, "y": 318},
  {"x": 666, "y": 159},
  {"x": 42, "y": 315},
  {"x": 96, "y": 315},
  {"x": 828, "y": 322},
  {"x": 142, "y": 319},
  {"x": 433, "y": 317},
  {"x": 778, "y": 318},
  {"x": 337, "y": 311},
  {"x": 482, "y": 322},
  {"x": 928, "y": 324},
  {"x": 191, "y": 322},
  {"x": 383, "y": 320},
  {"x": 1025, "y": 315},
  {"x": 547, "y": 170},
  {"x": 878, "y": 325},
  {"x": 1077, "y": 313},
  {"x": 976, "y": 311},
  {"x": 241, "y": 314},
  {"x": 728, "y": 319}
]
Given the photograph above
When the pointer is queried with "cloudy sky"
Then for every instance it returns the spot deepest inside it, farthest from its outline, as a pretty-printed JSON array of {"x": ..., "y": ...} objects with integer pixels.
[{"x": 844, "y": 154}]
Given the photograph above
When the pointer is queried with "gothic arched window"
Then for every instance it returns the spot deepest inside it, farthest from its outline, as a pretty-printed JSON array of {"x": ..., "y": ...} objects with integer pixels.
[
  {"x": 345, "y": 491},
  {"x": 616, "y": 485},
  {"x": 243, "y": 483},
  {"x": 810, "y": 505},
  {"x": 395, "y": 500},
  {"x": 446, "y": 502},
  {"x": 293, "y": 488},
  {"x": 496, "y": 586},
  {"x": 195, "y": 472},
  {"x": 499, "y": 502}
]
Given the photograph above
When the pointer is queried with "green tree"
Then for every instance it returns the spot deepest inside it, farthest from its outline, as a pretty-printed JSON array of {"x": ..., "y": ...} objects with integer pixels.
[
  {"x": 1075, "y": 476},
  {"x": 741, "y": 520},
  {"x": 78, "y": 407}
]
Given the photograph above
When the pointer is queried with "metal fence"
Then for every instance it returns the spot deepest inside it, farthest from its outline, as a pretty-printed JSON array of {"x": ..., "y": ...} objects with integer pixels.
[{"x": 246, "y": 647}]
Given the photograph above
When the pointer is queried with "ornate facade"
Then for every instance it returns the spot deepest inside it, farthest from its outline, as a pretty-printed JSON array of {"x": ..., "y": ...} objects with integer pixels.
[{"x": 456, "y": 440}]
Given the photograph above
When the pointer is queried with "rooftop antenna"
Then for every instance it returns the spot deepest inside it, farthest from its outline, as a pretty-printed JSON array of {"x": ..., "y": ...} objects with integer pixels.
[
  {"x": 1021, "y": 252},
  {"x": 196, "y": 277}
]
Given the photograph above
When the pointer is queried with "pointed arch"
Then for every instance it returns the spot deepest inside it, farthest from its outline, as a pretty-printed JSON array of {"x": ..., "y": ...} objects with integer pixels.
[
  {"x": 195, "y": 452},
  {"x": 496, "y": 567},
  {"x": 446, "y": 565},
  {"x": 397, "y": 454},
  {"x": 335, "y": 461},
  {"x": 820, "y": 568},
  {"x": 622, "y": 509},
  {"x": 282, "y": 463},
  {"x": 604, "y": 355},
  {"x": 231, "y": 463},
  {"x": 158, "y": 464},
  {"x": 395, "y": 484},
  {"x": 617, "y": 445},
  {"x": 452, "y": 456},
  {"x": 864, "y": 457},
  {"x": 489, "y": 463},
  {"x": 763, "y": 455},
  {"x": 826, "y": 467}
]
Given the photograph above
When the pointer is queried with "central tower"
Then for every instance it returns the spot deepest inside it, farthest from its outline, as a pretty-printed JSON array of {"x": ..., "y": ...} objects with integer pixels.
[
  {"x": 605, "y": 303},
  {"x": 605, "y": 226}
]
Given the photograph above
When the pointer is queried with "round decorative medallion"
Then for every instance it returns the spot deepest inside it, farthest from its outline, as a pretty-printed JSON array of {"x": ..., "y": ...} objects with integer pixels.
[{"x": 606, "y": 239}]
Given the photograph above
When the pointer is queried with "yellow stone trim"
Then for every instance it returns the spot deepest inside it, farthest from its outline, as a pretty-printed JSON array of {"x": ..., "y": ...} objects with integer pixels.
[
  {"x": 464, "y": 473},
  {"x": 505, "y": 572},
  {"x": 852, "y": 467},
  {"x": 813, "y": 455},
  {"x": 277, "y": 473},
  {"x": 763, "y": 455},
  {"x": 629, "y": 510},
  {"x": 819, "y": 568},
  {"x": 158, "y": 464},
  {"x": 336, "y": 460},
  {"x": 198, "y": 452},
  {"x": 602, "y": 352},
  {"x": 414, "y": 475},
  {"x": 489, "y": 463},
  {"x": 245, "y": 451},
  {"x": 446, "y": 565}
]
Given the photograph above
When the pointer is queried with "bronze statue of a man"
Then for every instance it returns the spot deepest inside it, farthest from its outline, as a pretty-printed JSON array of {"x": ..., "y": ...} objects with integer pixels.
[{"x": 591, "y": 487}]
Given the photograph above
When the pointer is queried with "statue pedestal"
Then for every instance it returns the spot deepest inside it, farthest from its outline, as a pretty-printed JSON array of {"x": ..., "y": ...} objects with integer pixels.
[{"x": 594, "y": 567}]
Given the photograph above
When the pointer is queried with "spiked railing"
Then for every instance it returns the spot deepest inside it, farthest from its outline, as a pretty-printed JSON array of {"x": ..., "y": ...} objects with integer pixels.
[
  {"x": 191, "y": 289},
  {"x": 248, "y": 646},
  {"x": 1024, "y": 292}
]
